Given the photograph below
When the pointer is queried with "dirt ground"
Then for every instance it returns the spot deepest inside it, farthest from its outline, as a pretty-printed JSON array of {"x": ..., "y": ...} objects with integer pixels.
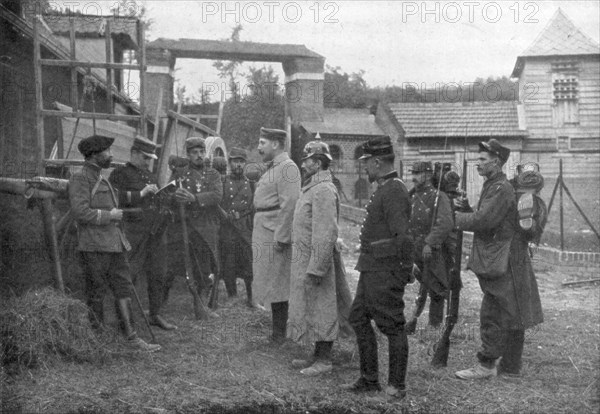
[{"x": 227, "y": 365}]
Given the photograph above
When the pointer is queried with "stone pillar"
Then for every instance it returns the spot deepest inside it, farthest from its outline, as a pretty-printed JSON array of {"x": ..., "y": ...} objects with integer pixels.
[
  {"x": 159, "y": 75},
  {"x": 304, "y": 82}
]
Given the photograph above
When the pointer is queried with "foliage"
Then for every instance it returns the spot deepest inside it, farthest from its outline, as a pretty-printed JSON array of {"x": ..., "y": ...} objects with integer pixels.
[
  {"x": 230, "y": 69},
  {"x": 343, "y": 90}
]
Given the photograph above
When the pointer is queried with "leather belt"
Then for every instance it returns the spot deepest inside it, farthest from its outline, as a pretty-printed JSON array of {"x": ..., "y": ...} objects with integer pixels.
[{"x": 265, "y": 209}]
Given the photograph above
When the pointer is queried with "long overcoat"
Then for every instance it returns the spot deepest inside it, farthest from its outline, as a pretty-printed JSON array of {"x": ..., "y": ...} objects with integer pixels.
[
  {"x": 500, "y": 256},
  {"x": 277, "y": 191},
  {"x": 313, "y": 313}
]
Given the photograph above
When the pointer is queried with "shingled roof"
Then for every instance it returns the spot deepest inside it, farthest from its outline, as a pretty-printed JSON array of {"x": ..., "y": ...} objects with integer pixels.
[
  {"x": 223, "y": 49},
  {"x": 559, "y": 38},
  {"x": 476, "y": 119},
  {"x": 345, "y": 121}
]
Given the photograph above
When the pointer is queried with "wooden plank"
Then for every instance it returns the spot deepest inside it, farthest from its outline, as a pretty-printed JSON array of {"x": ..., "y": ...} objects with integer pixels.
[
  {"x": 91, "y": 115},
  {"x": 74, "y": 93},
  {"x": 80, "y": 64},
  {"x": 142, "y": 68},
  {"x": 39, "y": 101},
  {"x": 109, "y": 72},
  {"x": 187, "y": 121},
  {"x": 220, "y": 117}
]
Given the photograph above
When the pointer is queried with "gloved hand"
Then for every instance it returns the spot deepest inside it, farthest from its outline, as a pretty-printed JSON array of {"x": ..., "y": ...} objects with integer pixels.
[
  {"x": 184, "y": 196},
  {"x": 462, "y": 204}
]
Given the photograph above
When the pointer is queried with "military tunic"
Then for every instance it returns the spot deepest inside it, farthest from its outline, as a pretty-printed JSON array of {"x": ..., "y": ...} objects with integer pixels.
[
  {"x": 274, "y": 201},
  {"x": 202, "y": 221},
  {"x": 384, "y": 271},
  {"x": 145, "y": 230},
  {"x": 235, "y": 234},
  {"x": 101, "y": 242}
]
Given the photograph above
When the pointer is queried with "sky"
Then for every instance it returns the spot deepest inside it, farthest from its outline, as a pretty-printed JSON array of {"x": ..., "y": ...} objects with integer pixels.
[{"x": 394, "y": 42}]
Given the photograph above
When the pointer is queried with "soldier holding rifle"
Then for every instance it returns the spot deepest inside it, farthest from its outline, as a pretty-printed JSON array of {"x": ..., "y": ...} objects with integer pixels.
[
  {"x": 200, "y": 191},
  {"x": 146, "y": 231},
  {"x": 430, "y": 223},
  {"x": 101, "y": 241}
]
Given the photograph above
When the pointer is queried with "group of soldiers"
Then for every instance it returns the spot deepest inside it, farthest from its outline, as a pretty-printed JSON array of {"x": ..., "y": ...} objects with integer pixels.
[{"x": 280, "y": 235}]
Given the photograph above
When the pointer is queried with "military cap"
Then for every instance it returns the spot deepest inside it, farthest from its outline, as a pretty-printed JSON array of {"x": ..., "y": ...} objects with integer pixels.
[
  {"x": 237, "y": 153},
  {"x": 422, "y": 166},
  {"x": 494, "y": 147},
  {"x": 94, "y": 144},
  {"x": 145, "y": 146},
  {"x": 316, "y": 147},
  {"x": 377, "y": 146},
  {"x": 273, "y": 134},
  {"x": 193, "y": 142}
]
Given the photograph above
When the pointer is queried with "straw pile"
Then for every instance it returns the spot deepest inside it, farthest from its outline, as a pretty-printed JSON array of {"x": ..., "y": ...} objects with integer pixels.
[{"x": 46, "y": 324}]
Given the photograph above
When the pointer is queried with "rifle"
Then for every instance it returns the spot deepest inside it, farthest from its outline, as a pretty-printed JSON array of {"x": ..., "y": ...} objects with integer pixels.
[
  {"x": 411, "y": 326},
  {"x": 200, "y": 311},
  {"x": 442, "y": 347}
]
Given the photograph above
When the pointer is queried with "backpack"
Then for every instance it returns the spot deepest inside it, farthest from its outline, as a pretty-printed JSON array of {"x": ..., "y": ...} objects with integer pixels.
[{"x": 532, "y": 210}]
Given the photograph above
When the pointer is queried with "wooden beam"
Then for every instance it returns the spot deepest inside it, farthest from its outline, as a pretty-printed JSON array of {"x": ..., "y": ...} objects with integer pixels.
[
  {"x": 39, "y": 100},
  {"x": 80, "y": 64},
  {"x": 91, "y": 115},
  {"x": 220, "y": 118},
  {"x": 142, "y": 68},
  {"x": 187, "y": 121},
  {"x": 74, "y": 93},
  {"x": 109, "y": 72}
]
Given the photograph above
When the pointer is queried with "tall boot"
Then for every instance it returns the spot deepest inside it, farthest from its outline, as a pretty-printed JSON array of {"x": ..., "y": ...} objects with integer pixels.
[
  {"x": 513, "y": 352},
  {"x": 280, "y": 316},
  {"x": 96, "y": 312},
  {"x": 398, "y": 360},
  {"x": 120, "y": 320},
  {"x": 436, "y": 310},
  {"x": 125, "y": 315},
  {"x": 249, "y": 300},
  {"x": 367, "y": 353}
]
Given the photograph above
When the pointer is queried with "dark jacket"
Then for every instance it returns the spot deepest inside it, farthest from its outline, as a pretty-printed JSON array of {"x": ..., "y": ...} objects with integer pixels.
[
  {"x": 96, "y": 231},
  {"x": 238, "y": 199},
  {"x": 388, "y": 215},
  {"x": 494, "y": 225}
]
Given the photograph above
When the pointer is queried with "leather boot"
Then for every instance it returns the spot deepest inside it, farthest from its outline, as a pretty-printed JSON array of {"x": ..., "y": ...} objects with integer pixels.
[
  {"x": 96, "y": 312},
  {"x": 398, "y": 360},
  {"x": 122, "y": 326},
  {"x": 249, "y": 300},
  {"x": 280, "y": 316},
  {"x": 157, "y": 320},
  {"x": 367, "y": 353},
  {"x": 133, "y": 340},
  {"x": 513, "y": 352}
]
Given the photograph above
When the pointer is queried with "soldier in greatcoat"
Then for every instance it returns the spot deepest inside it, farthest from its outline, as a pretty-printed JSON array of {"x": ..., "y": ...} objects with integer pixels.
[
  {"x": 313, "y": 316},
  {"x": 145, "y": 230},
  {"x": 235, "y": 234},
  {"x": 501, "y": 261},
  {"x": 429, "y": 236},
  {"x": 385, "y": 264},
  {"x": 102, "y": 243},
  {"x": 274, "y": 201},
  {"x": 200, "y": 189}
]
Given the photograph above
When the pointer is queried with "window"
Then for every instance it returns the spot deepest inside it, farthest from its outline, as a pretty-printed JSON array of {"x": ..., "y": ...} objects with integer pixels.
[{"x": 565, "y": 86}]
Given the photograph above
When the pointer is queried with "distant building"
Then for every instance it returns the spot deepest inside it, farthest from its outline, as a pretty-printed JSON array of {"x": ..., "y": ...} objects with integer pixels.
[{"x": 345, "y": 130}]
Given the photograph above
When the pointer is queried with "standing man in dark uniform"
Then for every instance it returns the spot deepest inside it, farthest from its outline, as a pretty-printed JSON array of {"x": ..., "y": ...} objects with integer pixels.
[
  {"x": 101, "y": 241},
  {"x": 500, "y": 259},
  {"x": 201, "y": 192},
  {"x": 235, "y": 234},
  {"x": 429, "y": 235},
  {"x": 385, "y": 265},
  {"x": 146, "y": 231}
]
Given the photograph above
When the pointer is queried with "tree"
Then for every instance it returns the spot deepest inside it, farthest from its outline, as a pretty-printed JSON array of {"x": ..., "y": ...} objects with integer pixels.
[
  {"x": 230, "y": 69},
  {"x": 342, "y": 90}
]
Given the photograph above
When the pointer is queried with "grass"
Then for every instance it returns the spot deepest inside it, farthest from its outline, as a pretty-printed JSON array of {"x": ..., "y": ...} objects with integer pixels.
[{"x": 227, "y": 365}]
